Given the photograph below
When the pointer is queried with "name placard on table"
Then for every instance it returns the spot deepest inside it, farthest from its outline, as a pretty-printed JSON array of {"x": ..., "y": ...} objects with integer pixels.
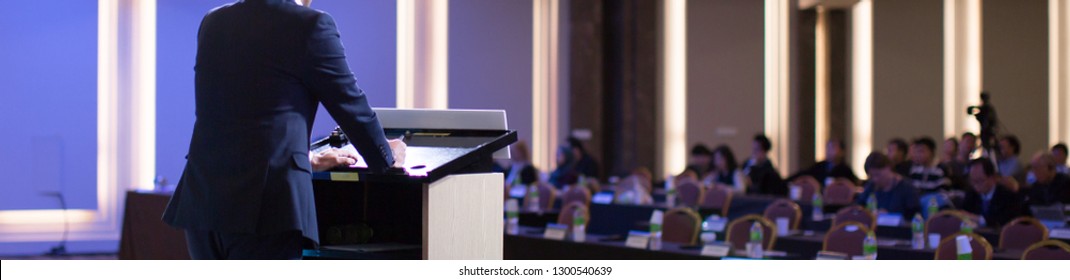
[
  {"x": 716, "y": 250},
  {"x": 637, "y": 239},
  {"x": 555, "y": 231}
]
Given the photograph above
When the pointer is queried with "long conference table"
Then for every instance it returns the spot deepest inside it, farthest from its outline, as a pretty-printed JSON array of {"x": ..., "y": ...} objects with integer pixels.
[{"x": 609, "y": 223}]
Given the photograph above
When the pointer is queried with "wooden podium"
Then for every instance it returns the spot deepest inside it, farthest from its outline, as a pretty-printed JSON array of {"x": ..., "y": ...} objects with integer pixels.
[{"x": 444, "y": 204}]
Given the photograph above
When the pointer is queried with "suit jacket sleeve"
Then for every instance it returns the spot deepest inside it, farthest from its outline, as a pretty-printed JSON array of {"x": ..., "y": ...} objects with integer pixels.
[{"x": 328, "y": 77}]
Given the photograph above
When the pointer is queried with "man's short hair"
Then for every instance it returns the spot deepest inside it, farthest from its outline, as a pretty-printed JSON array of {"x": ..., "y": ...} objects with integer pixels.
[
  {"x": 925, "y": 141},
  {"x": 899, "y": 144},
  {"x": 1046, "y": 157},
  {"x": 1060, "y": 147},
  {"x": 700, "y": 150},
  {"x": 969, "y": 134},
  {"x": 986, "y": 166},
  {"x": 763, "y": 142},
  {"x": 839, "y": 142},
  {"x": 877, "y": 160},
  {"x": 1015, "y": 144},
  {"x": 575, "y": 143}
]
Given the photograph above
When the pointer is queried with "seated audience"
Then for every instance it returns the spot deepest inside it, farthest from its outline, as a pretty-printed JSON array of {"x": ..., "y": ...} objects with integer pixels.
[
  {"x": 1059, "y": 153},
  {"x": 834, "y": 165},
  {"x": 764, "y": 178},
  {"x": 585, "y": 164},
  {"x": 573, "y": 161},
  {"x": 894, "y": 193},
  {"x": 700, "y": 160},
  {"x": 1009, "y": 149},
  {"x": 953, "y": 166},
  {"x": 1050, "y": 186},
  {"x": 948, "y": 153},
  {"x": 725, "y": 173},
  {"x": 897, "y": 152},
  {"x": 927, "y": 176},
  {"x": 565, "y": 173},
  {"x": 967, "y": 147},
  {"x": 519, "y": 161},
  {"x": 989, "y": 199}
]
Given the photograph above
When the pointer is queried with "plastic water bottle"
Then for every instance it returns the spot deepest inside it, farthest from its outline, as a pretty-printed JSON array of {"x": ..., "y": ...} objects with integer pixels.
[
  {"x": 754, "y": 246},
  {"x": 818, "y": 212},
  {"x": 655, "y": 237},
  {"x": 869, "y": 246},
  {"x": 533, "y": 199},
  {"x": 933, "y": 207},
  {"x": 512, "y": 217},
  {"x": 917, "y": 226},
  {"x": 964, "y": 250},
  {"x": 670, "y": 192},
  {"x": 579, "y": 228},
  {"x": 655, "y": 229},
  {"x": 871, "y": 204}
]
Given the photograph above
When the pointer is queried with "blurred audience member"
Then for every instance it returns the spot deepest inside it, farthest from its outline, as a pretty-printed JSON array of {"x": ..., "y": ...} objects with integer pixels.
[
  {"x": 989, "y": 199},
  {"x": 700, "y": 160},
  {"x": 1059, "y": 153},
  {"x": 1050, "y": 186},
  {"x": 894, "y": 194},
  {"x": 1009, "y": 149},
  {"x": 834, "y": 165},
  {"x": 725, "y": 172},
  {"x": 897, "y": 152},
  {"x": 927, "y": 176},
  {"x": 520, "y": 159},
  {"x": 764, "y": 178}
]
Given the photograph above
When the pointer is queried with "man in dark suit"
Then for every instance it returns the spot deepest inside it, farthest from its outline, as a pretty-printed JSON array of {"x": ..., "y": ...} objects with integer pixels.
[
  {"x": 262, "y": 68},
  {"x": 997, "y": 204}
]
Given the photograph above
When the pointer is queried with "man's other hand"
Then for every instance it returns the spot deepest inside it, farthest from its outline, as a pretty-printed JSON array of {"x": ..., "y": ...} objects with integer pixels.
[
  {"x": 331, "y": 158},
  {"x": 398, "y": 148}
]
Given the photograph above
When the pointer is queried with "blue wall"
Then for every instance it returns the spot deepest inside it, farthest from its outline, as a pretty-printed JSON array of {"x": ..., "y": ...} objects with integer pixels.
[
  {"x": 368, "y": 33},
  {"x": 490, "y": 58},
  {"x": 48, "y": 113}
]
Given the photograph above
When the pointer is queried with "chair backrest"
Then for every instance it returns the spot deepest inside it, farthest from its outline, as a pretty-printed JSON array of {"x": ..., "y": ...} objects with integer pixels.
[
  {"x": 840, "y": 192},
  {"x": 738, "y": 231},
  {"x": 681, "y": 225},
  {"x": 945, "y": 223},
  {"x": 689, "y": 192},
  {"x": 847, "y": 238},
  {"x": 855, "y": 213},
  {"x": 1021, "y": 233},
  {"x": 717, "y": 198},
  {"x": 948, "y": 250},
  {"x": 576, "y": 193},
  {"x": 1047, "y": 250},
  {"x": 565, "y": 216},
  {"x": 809, "y": 186},
  {"x": 784, "y": 208},
  {"x": 547, "y": 195}
]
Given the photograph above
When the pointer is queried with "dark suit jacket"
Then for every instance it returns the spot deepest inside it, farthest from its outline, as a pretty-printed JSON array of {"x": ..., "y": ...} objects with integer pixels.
[
  {"x": 1004, "y": 207},
  {"x": 262, "y": 68},
  {"x": 821, "y": 171}
]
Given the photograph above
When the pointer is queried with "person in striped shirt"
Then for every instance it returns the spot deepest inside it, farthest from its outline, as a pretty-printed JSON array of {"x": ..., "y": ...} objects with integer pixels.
[{"x": 927, "y": 176}]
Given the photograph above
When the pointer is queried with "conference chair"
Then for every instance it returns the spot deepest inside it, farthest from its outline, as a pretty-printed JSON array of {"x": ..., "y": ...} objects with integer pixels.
[
  {"x": 784, "y": 208},
  {"x": 847, "y": 238},
  {"x": 1050, "y": 249},
  {"x": 717, "y": 198},
  {"x": 948, "y": 248},
  {"x": 855, "y": 213},
  {"x": 681, "y": 225},
  {"x": 1021, "y": 233},
  {"x": 738, "y": 231}
]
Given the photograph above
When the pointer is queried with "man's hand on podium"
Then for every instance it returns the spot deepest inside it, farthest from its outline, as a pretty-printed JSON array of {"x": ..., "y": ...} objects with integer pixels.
[
  {"x": 397, "y": 146},
  {"x": 330, "y": 158}
]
